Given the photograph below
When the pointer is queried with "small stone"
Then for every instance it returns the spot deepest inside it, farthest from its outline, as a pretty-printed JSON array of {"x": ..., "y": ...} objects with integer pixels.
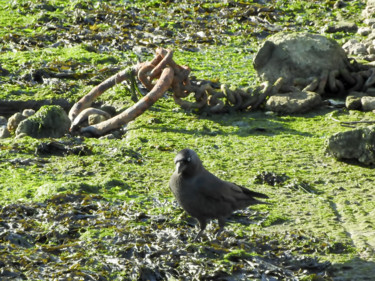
[
  {"x": 96, "y": 119},
  {"x": 371, "y": 49},
  {"x": 370, "y": 22},
  {"x": 14, "y": 121},
  {"x": 369, "y": 11},
  {"x": 3, "y": 121},
  {"x": 353, "y": 47},
  {"x": 353, "y": 102},
  {"x": 364, "y": 31},
  {"x": 4, "y": 133},
  {"x": 28, "y": 112},
  {"x": 293, "y": 102},
  {"x": 111, "y": 110},
  {"x": 369, "y": 58},
  {"x": 368, "y": 103},
  {"x": 348, "y": 27}
]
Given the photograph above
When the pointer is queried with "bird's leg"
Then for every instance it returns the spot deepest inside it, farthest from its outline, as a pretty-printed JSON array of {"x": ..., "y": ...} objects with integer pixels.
[
  {"x": 221, "y": 225},
  {"x": 202, "y": 224}
]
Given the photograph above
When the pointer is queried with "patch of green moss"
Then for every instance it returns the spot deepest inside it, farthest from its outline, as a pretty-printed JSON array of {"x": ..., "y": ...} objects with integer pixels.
[{"x": 236, "y": 255}]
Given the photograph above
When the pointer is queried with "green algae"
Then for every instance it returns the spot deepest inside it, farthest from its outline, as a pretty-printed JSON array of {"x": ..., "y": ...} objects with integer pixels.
[{"x": 131, "y": 173}]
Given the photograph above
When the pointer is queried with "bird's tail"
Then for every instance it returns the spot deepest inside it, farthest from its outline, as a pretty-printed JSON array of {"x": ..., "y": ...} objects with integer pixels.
[{"x": 253, "y": 193}]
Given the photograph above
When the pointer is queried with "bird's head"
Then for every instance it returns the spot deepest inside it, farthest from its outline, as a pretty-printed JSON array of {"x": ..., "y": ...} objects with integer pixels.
[{"x": 187, "y": 162}]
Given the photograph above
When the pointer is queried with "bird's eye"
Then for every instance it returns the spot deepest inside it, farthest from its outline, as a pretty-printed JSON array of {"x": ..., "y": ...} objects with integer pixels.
[{"x": 189, "y": 159}]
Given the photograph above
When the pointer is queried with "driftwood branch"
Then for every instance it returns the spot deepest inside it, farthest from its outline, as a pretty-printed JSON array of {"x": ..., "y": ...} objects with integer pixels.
[
  {"x": 133, "y": 112},
  {"x": 88, "y": 99}
]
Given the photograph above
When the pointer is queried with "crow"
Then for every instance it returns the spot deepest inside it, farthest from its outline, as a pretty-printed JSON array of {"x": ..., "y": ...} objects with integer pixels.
[{"x": 203, "y": 195}]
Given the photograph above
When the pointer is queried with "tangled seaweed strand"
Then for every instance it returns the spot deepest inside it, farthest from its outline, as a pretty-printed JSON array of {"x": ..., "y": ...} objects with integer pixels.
[{"x": 169, "y": 75}]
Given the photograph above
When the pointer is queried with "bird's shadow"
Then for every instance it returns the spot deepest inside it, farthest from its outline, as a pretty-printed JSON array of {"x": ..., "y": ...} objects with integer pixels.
[{"x": 247, "y": 217}]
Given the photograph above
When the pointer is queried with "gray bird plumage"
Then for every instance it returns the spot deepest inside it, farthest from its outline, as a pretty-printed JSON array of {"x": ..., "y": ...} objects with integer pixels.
[{"x": 203, "y": 195}]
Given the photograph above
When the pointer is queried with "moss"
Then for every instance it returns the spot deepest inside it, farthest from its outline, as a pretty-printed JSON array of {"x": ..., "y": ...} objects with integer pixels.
[{"x": 237, "y": 255}]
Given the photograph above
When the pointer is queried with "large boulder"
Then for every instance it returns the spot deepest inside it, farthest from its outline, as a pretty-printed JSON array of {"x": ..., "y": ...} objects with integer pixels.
[
  {"x": 293, "y": 102},
  {"x": 292, "y": 55},
  {"x": 358, "y": 144},
  {"x": 51, "y": 121}
]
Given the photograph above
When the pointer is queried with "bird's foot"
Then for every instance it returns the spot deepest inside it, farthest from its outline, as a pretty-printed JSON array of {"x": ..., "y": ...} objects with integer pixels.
[
  {"x": 219, "y": 232},
  {"x": 198, "y": 236}
]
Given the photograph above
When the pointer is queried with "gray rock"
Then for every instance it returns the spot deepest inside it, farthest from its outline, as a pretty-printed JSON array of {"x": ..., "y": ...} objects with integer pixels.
[
  {"x": 364, "y": 31},
  {"x": 292, "y": 55},
  {"x": 111, "y": 110},
  {"x": 368, "y": 103},
  {"x": 51, "y": 121},
  {"x": 14, "y": 121},
  {"x": 353, "y": 47},
  {"x": 353, "y": 102},
  {"x": 356, "y": 144},
  {"x": 28, "y": 112},
  {"x": 96, "y": 118},
  {"x": 369, "y": 11},
  {"x": 3, "y": 121},
  {"x": 349, "y": 27},
  {"x": 4, "y": 133},
  {"x": 371, "y": 49},
  {"x": 293, "y": 102},
  {"x": 370, "y": 22}
]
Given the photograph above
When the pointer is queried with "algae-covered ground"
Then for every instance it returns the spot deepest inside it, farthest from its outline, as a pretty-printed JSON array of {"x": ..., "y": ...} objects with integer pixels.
[{"x": 80, "y": 208}]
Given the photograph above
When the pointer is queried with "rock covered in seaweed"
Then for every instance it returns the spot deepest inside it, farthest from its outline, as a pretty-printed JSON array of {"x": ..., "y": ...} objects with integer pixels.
[{"x": 51, "y": 121}]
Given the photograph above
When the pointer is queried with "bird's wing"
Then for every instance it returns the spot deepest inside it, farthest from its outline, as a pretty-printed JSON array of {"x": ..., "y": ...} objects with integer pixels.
[
  {"x": 224, "y": 196},
  {"x": 224, "y": 192}
]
